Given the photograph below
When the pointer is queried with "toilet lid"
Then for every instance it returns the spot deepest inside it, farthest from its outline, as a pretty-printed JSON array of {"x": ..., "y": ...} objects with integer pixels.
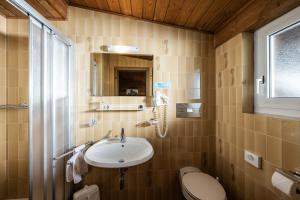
[{"x": 203, "y": 186}]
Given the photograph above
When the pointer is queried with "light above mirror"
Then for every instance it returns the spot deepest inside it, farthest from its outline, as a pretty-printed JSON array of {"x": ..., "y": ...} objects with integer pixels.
[{"x": 119, "y": 49}]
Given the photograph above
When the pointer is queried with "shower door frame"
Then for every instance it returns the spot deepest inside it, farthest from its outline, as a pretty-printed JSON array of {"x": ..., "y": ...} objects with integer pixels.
[{"x": 32, "y": 13}]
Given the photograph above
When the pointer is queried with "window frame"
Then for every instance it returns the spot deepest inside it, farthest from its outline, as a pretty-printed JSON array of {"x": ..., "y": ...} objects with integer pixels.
[{"x": 289, "y": 106}]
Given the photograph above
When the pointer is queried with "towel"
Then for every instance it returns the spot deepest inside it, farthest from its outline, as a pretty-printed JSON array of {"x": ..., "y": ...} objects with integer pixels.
[
  {"x": 76, "y": 167},
  {"x": 87, "y": 193}
]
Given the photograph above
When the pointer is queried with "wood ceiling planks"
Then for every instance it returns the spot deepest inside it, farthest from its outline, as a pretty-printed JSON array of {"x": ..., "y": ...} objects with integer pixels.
[
  {"x": 185, "y": 12},
  {"x": 225, "y": 18},
  {"x": 8, "y": 10},
  {"x": 148, "y": 9},
  {"x": 125, "y": 6},
  {"x": 173, "y": 10},
  {"x": 137, "y": 8},
  {"x": 161, "y": 10},
  {"x": 114, "y": 6},
  {"x": 51, "y": 9},
  {"x": 253, "y": 16},
  {"x": 223, "y": 13},
  {"x": 198, "y": 12}
]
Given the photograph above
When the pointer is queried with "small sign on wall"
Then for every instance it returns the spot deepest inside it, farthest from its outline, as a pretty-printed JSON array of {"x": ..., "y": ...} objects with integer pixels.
[
  {"x": 162, "y": 85},
  {"x": 188, "y": 110}
]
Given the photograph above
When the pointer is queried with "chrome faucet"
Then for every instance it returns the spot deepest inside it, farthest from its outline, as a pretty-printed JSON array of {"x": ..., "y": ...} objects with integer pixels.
[{"x": 122, "y": 137}]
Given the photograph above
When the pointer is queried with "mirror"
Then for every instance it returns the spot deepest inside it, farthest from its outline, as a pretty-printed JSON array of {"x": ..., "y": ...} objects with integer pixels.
[{"x": 121, "y": 74}]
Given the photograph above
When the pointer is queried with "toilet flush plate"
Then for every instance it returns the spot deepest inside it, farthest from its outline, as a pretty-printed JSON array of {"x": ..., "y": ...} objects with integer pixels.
[
  {"x": 188, "y": 110},
  {"x": 253, "y": 159}
]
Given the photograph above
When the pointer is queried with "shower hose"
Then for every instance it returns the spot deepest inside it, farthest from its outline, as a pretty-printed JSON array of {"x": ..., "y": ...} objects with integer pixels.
[{"x": 161, "y": 133}]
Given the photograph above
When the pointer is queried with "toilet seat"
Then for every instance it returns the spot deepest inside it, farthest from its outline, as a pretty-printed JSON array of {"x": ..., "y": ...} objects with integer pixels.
[{"x": 197, "y": 185}]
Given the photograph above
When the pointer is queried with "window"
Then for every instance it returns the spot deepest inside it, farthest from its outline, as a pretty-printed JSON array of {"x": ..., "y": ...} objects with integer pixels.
[{"x": 277, "y": 66}]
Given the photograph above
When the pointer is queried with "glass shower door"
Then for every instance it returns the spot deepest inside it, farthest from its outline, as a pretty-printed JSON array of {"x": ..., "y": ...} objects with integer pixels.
[
  {"x": 36, "y": 132},
  {"x": 50, "y": 117},
  {"x": 61, "y": 112}
]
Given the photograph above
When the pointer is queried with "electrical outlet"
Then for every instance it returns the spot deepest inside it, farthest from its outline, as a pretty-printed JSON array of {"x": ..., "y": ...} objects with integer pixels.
[{"x": 253, "y": 159}]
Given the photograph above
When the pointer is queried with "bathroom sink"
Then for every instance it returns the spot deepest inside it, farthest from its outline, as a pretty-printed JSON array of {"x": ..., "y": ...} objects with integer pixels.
[{"x": 111, "y": 153}]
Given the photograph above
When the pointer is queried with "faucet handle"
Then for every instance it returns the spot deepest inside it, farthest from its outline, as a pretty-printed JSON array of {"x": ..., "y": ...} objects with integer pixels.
[{"x": 123, "y": 137}]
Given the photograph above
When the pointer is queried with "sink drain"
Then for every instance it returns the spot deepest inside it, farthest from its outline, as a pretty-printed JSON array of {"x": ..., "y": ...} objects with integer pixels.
[{"x": 121, "y": 161}]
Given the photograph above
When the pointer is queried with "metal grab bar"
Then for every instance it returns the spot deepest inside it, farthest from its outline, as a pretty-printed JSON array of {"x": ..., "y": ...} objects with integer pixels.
[
  {"x": 11, "y": 106},
  {"x": 87, "y": 145}
]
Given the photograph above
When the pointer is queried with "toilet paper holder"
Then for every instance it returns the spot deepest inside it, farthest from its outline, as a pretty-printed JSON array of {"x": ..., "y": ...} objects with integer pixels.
[{"x": 293, "y": 175}]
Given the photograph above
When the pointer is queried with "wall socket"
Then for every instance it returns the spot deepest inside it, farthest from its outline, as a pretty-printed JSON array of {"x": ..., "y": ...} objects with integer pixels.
[{"x": 253, "y": 159}]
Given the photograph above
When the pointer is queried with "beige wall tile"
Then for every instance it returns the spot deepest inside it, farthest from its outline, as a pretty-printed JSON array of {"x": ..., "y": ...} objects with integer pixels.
[
  {"x": 290, "y": 131},
  {"x": 17, "y": 120},
  {"x": 276, "y": 139},
  {"x": 3, "y": 99},
  {"x": 290, "y": 153},
  {"x": 260, "y": 123},
  {"x": 274, "y": 127},
  {"x": 177, "y": 54},
  {"x": 274, "y": 151}
]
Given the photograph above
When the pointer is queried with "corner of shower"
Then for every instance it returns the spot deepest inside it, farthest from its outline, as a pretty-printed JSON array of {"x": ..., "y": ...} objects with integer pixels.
[
  {"x": 14, "y": 68},
  {"x": 36, "y": 105}
]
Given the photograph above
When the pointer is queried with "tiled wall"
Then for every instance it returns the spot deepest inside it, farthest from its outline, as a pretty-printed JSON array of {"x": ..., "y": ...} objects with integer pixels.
[
  {"x": 3, "y": 138},
  {"x": 178, "y": 53},
  {"x": 276, "y": 139},
  {"x": 17, "y": 120}
]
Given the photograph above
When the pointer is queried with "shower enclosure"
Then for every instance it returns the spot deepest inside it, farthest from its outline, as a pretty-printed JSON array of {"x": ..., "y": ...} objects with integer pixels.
[{"x": 36, "y": 110}]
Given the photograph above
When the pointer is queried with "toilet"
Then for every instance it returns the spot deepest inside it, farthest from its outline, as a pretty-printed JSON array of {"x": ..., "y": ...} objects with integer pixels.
[{"x": 196, "y": 185}]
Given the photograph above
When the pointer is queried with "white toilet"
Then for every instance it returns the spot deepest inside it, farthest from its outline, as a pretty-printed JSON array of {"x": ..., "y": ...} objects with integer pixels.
[{"x": 196, "y": 185}]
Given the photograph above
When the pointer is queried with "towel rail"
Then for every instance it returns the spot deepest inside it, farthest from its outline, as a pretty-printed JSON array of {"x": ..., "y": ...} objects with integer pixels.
[
  {"x": 87, "y": 145},
  {"x": 12, "y": 106}
]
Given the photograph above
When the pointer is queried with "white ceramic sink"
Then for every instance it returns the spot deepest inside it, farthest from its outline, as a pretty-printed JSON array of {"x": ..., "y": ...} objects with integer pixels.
[{"x": 111, "y": 153}]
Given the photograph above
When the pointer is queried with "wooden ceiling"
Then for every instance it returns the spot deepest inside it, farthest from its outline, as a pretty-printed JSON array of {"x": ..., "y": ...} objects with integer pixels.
[
  {"x": 10, "y": 11},
  {"x": 51, "y": 9},
  {"x": 205, "y": 15},
  {"x": 224, "y": 18}
]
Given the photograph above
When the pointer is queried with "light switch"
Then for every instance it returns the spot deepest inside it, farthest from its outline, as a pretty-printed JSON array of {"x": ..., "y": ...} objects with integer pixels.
[{"x": 253, "y": 159}]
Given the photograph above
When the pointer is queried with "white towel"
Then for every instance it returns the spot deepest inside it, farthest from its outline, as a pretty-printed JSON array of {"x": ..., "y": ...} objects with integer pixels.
[
  {"x": 76, "y": 167},
  {"x": 87, "y": 193}
]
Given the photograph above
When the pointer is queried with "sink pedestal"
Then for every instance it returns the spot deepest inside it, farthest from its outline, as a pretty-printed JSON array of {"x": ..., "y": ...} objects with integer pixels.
[{"x": 122, "y": 177}]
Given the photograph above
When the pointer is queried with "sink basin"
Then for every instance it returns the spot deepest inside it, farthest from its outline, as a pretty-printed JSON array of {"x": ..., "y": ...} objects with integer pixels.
[{"x": 111, "y": 153}]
